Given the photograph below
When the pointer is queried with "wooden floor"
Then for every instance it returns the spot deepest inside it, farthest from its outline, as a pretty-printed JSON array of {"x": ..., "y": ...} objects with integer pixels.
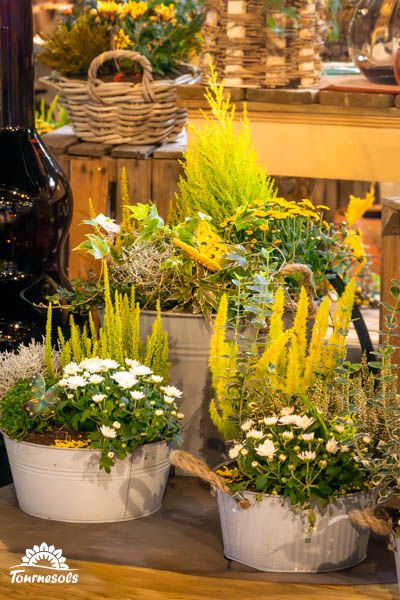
[{"x": 130, "y": 583}]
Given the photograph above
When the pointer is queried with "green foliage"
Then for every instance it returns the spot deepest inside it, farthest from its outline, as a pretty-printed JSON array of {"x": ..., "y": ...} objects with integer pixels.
[
  {"x": 52, "y": 117},
  {"x": 119, "y": 336},
  {"x": 48, "y": 348},
  {"x": 298, "y": 456},
  {"x": 70, "y": 49},
  {"x": 221, "y": 170},
  {"x": 14, "y": 418}
]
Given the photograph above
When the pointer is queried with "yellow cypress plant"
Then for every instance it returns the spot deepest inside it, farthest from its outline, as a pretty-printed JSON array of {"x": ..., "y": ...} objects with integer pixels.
[
  {"x": 336, "y": 346},
  {"x": 276, "y": 321},
  {"x": 300, "y": 328},
  {"x": 317, "y": 343}
]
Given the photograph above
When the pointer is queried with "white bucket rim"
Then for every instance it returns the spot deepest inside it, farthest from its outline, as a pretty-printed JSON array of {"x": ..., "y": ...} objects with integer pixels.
[
  {"x": 77, "y": 449},
  {"x": 286, "y": 498}
]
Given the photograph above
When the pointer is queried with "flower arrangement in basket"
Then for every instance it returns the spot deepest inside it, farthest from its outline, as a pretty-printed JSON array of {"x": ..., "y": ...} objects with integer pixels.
[
  {"x": 307, "y": 433},
  {"x": 119, "y": 44},
  {"x": 228, "y": 225},
  {"x": 98, "y": 404}
]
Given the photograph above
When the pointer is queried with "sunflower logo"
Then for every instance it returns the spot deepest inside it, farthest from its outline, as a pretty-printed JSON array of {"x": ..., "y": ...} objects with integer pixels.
[{"x": 36, "y": 556}]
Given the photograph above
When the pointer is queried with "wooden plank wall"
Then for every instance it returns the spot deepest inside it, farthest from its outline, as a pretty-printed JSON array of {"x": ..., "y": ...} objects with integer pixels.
[{"x": 94, "y": 172}]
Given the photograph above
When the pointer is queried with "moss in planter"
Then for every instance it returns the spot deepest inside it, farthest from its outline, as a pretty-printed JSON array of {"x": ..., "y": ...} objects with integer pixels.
[{"x": 15, "y": 420}]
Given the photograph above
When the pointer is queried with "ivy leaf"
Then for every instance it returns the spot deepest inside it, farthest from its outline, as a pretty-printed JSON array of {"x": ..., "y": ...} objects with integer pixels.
[{"x": 95, "y": 245}]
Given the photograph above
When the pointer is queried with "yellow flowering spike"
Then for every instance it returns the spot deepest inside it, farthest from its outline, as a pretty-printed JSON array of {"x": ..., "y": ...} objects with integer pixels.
[
  {"x": 336, "y": 348},
  {"x": 276, "y": 321},
  {"x": 358, "y": 206},
  {"x": 313, "y": 360},
  {"x": 218, "y": 336},
  {"x": 300, "y": 327},
  {"x": 267, "y": 365},
  {"x": 293, "y": 380},
  {"x": 354, "y": 241}
]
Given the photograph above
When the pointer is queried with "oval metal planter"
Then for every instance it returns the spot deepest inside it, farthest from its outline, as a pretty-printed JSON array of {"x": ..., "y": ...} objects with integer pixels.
[
  {"x": 189, "y": 342},
  {"x": 66, "y": 484},
  {"x": 273, "y": 536}
]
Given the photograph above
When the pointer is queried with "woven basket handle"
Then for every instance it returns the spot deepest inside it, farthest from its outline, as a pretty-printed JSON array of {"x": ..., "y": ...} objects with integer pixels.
[
  {"x": 117, "y": 55},
  {"x": 198, "y": 468}
]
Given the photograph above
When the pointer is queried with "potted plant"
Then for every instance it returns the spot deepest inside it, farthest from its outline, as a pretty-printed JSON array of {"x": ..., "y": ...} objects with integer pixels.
[
  {"x": 301, "y": 434},
  {"x": 118, "y": 64},
  {"x": 88, "y": 437}
]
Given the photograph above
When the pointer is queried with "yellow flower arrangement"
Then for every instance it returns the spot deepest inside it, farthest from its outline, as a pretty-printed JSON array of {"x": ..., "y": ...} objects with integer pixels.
[
  {"x": 108, "y": 7},
  {"x": 71, "y": 443},
  {"x": 122, "y": 40},
  {"x": 167, "y": 13},
  {"x": 133, "y": 9}
]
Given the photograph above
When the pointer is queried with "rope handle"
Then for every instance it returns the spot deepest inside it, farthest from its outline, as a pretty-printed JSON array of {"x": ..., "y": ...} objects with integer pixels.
[
  {"x": 198, "y": 468},
  {"x": 369, "y": 519},
  {"x": 307, "y": 281},
  {"x": 116, "y": 55}
]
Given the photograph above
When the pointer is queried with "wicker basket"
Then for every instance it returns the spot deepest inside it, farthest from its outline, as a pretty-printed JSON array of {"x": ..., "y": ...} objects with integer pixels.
[
  {"x": 247, "y": 53},
  {"x": 122, "y": 112}
]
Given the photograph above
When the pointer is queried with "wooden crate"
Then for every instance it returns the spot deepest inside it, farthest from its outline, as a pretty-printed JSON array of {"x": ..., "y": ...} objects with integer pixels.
[{"x": 94, "y": 172}]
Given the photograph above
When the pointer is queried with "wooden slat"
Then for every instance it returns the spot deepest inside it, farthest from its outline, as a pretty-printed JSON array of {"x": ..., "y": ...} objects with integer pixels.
[
  {"x": 60, "y": 139},
  {"x": 130, "y": 151},
  {"x": 89, "y": 179},
  {"x": 139, "y": 173},
  {"x": 165, "y": 177},
  {"x": 90, "y": 149}
]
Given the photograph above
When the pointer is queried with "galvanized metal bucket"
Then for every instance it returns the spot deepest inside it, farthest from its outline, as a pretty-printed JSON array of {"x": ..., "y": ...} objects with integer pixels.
[
  {"x": 271, "y": 535},
  {"x": 189, "y": 342},
  {"x": 66, "y": 484}
]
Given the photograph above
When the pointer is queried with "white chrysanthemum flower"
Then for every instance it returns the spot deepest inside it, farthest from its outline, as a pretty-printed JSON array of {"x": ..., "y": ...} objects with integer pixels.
[
  {"x": 169, "y": 400},
  {"x": 304, "y": 422},
  {"x": 108, "y": 432},
  {"x": 180, "y": 415},
  {"x": 109, "y": 225},
  {"x": 133, "y": 362},
  {"x": 289, "y": 419},
  {"x": 270, "y": 420},
  {"x": 266, "y": 449},
  {"x": 141, "y": 371},
  {"x": 157, "y": 378},
  {"x": 307, "y": 437},
  {"x": 158, "y": 412},
  {"x": 282, "y": 457},
  {"x": 339, "y": 428},
  {"x": 344, "y": 448},
  {"x": 93, "y": 365},
  {"x": 288, "y": 435},
  {"x": 96, "y": 379},
  {"x": 98, "y": 397},
  {"x": 116, "y": 425},
  {"x": 63, "y": 382},
  {"x": 125, "y": 379},
  {"x": 110, "y": 454},
  {"x": 307, "y": 455},
  {"x": 71, "y": 369},
  {"x": 76, "y": 381},
  {"x": 234, "y": 451},
  {"x": 254, "y": 464},
  {"x": 173, "y": 413},
  {"x": 170, "y": 390},
  {"x": 287, "y": 410},
  {"x": 136, "y": 395},
  {"x": 246, "y": 425},
  {"x": 109, "y": 363},
  {"x": 255, "y": 434},
  {"x": 244, "y": 452},
  {"x": 332, "y": 446}
]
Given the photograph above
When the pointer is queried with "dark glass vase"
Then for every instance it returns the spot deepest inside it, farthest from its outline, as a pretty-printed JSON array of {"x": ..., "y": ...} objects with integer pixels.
[
  {"x": 374, "y": 39},
  {"x": 35, "y": 198}
]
